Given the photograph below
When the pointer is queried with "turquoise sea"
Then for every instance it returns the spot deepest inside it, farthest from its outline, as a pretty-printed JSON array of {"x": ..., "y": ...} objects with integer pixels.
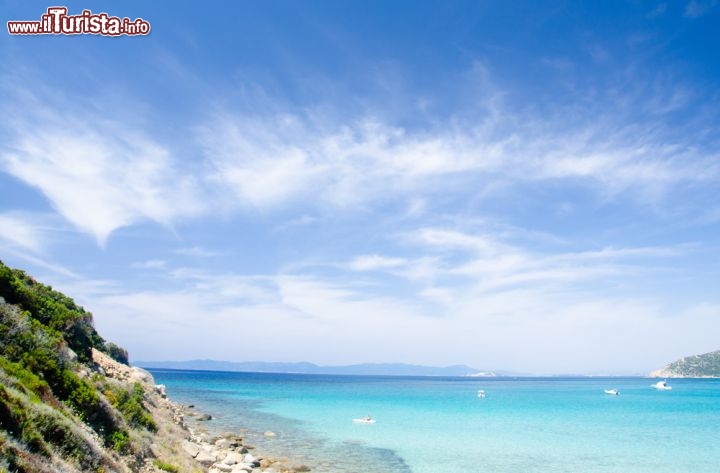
[{"x": 431, "y": 425}]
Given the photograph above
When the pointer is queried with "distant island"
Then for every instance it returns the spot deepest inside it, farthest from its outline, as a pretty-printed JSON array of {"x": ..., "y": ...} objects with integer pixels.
[
  {"x": 697, "y": 366},
  {"x": 366, "y": 369}
]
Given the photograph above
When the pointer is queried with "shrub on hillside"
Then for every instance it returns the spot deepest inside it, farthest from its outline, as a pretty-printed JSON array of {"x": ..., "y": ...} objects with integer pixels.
[
  {"x": 52, "y": 309},
  {"x": 117, "y": 353}
]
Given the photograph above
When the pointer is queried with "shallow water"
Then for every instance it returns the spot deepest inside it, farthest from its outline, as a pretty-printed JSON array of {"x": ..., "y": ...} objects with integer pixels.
[{"x": 428, "y": 425}]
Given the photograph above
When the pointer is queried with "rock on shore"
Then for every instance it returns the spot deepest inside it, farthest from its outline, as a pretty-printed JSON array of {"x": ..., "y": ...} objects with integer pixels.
[{"x": 177, "y": 444}]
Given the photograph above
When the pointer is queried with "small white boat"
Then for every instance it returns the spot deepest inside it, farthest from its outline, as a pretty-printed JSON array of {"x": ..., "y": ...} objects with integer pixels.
[
  {"x": 662, "y": 386},
  {"x": 481, "y": 394},
  {"x": 612, "y": 392},
  {"x": 365, "y": 420}
]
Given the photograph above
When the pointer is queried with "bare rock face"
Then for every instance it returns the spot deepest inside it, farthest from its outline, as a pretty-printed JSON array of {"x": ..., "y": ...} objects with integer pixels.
[{"x": 662, "y": 373}]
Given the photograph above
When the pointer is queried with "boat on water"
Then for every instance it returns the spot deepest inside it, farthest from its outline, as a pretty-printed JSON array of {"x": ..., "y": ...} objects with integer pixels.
[
  {"x": 481, "y": 394},
  {"x": 612, "y": 392},
  {"x": 364, "y": 420},
  {"x": 662, "y": 386}
]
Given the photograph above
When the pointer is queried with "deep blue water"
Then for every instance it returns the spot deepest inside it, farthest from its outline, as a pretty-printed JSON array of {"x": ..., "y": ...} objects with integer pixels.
[{"x": 430, "y": 425}]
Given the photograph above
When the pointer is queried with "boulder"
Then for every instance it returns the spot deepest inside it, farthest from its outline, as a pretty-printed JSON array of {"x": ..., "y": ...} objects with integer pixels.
[
  {"x": 239, "y": 467},
  {"x": 249, "y": 459},
  {"x": 232, "y": 458},
  {"x": 191, "y": 448},
  {"x": 139, "y": 374},
  {"x": 206, "y": 458},
  {"x": 71, "y": 354},
  {"x": 222, "y": 443},
  {"x": 222, "y": 467},
  {"x": 269, "y": 433}
]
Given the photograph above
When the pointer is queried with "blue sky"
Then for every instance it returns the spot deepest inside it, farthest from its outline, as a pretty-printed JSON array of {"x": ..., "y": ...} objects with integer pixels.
[{"x": 529, "y": 187}]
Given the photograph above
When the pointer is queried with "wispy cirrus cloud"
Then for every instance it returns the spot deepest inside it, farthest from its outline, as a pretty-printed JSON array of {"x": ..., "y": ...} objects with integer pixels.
[
  {"x": 22, "y": 231},
  {"x": 447, "y": 264},
  {"x": 698, "y": 8},
  {"x": 29, "y": 237},
  {"x": 98, "y": 173},
  {"x": 627, "y": 142},
  {"x": 197, "y": 252},
  {"x": 206, "y": 312},
  {"x": 373, "y": 262},
  {"x": 150, "y": 264},
  {"x": 103, "y": 173}
]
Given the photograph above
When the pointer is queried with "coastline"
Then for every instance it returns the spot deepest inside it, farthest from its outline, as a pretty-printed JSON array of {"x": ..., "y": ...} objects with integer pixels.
[
  {"x": 228, "y": 451},
  {"x": 183, "y": 441},
  {"x": 311, "y": 416}
]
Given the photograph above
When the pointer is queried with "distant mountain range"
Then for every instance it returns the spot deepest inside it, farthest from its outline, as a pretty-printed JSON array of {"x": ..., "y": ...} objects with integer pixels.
[
  {"x": 373, "y": 369},
  {"x": 706, "y": 365}
]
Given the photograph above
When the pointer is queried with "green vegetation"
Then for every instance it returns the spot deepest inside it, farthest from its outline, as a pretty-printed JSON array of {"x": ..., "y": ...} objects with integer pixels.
[
  {"x": 129, "y": 403},
  {"x": 47, "y": 391},
  {"x": 36, "y": 388},
  {"x": 55, "y": 311},
  {"x": 166, "y": 466},
  {"x": 697, "y": 366},
  {"x": 117, "y": 353},
  {"x": 37, "y": 357}
]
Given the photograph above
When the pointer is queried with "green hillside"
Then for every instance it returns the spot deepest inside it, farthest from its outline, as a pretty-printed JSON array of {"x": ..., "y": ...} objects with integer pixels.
[
  {"x": 696, "y": 366},
  {"x": 58, "y": 412}
]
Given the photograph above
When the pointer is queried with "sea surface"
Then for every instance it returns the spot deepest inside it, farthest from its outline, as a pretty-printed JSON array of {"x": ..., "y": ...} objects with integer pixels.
[{"x": 440, "y": 425}]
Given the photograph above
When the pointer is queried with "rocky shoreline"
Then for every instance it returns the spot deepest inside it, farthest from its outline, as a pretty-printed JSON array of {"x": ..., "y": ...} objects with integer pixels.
[
  {"x": 182, "y": 442},
  {"x": 229, "y": 452}
]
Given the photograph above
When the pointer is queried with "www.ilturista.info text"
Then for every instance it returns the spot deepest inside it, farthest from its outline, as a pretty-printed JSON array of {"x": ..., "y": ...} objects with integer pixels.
[{"x": 57, "y": 21}]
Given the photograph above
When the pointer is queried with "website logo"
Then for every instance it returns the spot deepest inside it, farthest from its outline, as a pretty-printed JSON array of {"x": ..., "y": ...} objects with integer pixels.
[{"x": 57, "y": 21}]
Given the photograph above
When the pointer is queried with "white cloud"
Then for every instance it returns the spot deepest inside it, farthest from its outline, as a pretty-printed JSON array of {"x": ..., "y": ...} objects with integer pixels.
[
  {"x": 373, "y": 262},
  {"x": 452, "y": 239},
  {"x": 229, "y": 287},
  {"x": 198, "y": 252},
  {"x": 275, "y": 160},
  {"x": 297, "y": 222},
  {"x": 99, "y": 174},
  {"x": 268, "y": 161},
  {"x": 324, "y": 320},
  {"x": 698, "y": 8},
  {"x": 494, "y": 265},
  {"x": 22, "y": 231},
  {"x": 102, "y": 174},
  {"x": 257, "y": 159},
  {"x": 150, "y": 264},
  {"x": 14, "y": 254},
  {"x": 659, "y": 10}
]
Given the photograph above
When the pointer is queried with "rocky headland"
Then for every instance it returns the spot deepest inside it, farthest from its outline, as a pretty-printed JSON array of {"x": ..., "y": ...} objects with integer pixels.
[
  {"x": 706, "y": 365},
  {"x": 70, "y": 402},
  {"x": 182, "y": 441}
]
